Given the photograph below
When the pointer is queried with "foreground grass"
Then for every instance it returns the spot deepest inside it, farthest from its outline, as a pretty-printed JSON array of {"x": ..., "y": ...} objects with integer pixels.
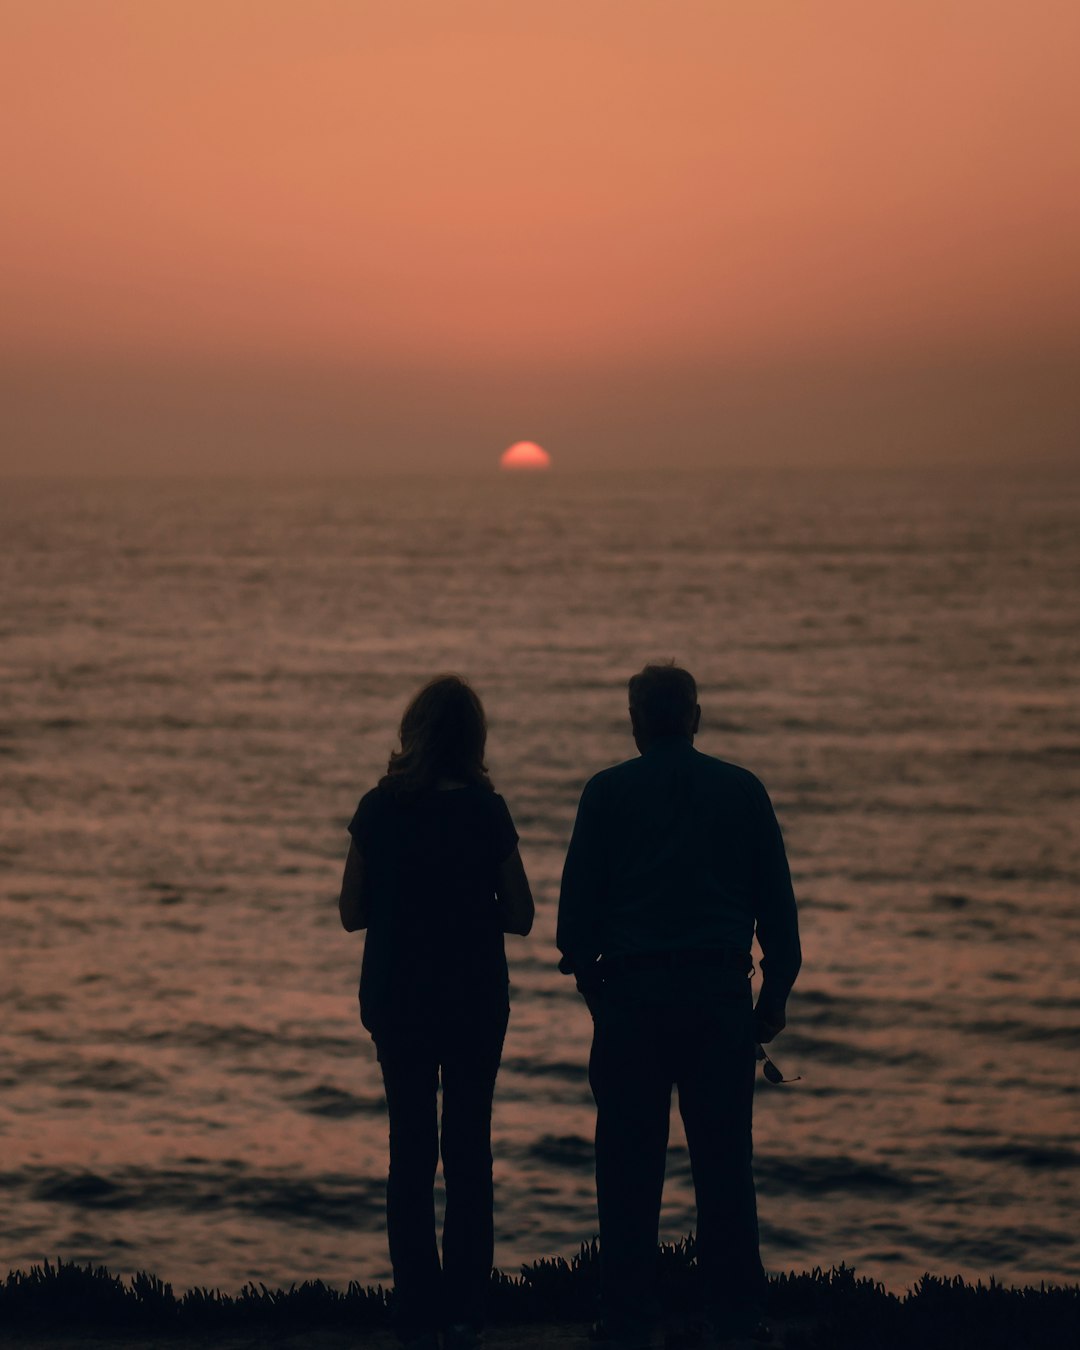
[{"x": 819, "y": 1310}]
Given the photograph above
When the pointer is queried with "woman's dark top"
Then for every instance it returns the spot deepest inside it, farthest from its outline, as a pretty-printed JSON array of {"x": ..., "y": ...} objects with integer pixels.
[{"x": 434, "y": 957}]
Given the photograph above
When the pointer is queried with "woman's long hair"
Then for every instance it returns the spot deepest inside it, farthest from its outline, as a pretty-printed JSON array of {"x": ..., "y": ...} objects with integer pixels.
[{"x": 443, "y": 735}]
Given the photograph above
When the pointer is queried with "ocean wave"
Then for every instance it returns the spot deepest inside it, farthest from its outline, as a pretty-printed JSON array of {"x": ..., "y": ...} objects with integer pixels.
[
  {"x": 1032, "y": 1156},
  {"x": 236, "y": 1037},
  {"x": 1012, "y": 1029},
  {"x": 988, "y": 1250},
  {"x": 818, "y": 1007},
  {"x": 570, "y": 1071},
  {"x": 334, "y": 1104},
  {"x": 849, "y": 1055},
  {"x": 118, "y": 1075},
  {"x": 72, "y": 1072},
  {"x": 564, "y": 1150},
  {"x": 822, "y": 1175},
  {"x": 328, "y": 1200}
]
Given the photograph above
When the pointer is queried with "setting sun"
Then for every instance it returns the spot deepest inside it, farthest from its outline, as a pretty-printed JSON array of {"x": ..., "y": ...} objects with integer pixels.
[{"x": 525, "y": 455}]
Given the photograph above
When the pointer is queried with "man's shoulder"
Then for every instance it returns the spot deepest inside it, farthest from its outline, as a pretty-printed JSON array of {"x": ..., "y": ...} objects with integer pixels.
[
  {"x": 612, "y": 785},
  {"x": 612, "y": 776},
  {"x": 713, "y": 773},
  {"x": 733, "y": 779},
  {"x": 639, "y": 765},
  {"x": 727, "y": 770}
]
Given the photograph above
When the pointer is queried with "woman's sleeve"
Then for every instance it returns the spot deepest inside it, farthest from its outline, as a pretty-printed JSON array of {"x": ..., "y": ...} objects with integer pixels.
[
  {"x": 505, "y": 836},
  {"x": 360, "y": 825}
]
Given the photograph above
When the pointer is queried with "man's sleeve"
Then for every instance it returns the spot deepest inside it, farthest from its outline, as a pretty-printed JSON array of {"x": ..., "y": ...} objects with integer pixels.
[
  {"x": 777, "y": 915},
  {"x": 578, "y": 932}
]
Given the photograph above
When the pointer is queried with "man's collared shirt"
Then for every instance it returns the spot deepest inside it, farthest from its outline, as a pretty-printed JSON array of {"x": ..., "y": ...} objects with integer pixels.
[{"x": 673, "y": 851}]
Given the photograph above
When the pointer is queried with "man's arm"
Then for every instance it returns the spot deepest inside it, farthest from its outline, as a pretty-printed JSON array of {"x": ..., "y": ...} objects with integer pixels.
[
  {"x": 577, "y": 932},
  {"x": 777, "y": 924}
]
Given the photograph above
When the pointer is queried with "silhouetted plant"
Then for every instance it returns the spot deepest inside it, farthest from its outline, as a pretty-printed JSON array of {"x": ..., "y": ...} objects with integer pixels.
[{"x": 820, "y": 1310}]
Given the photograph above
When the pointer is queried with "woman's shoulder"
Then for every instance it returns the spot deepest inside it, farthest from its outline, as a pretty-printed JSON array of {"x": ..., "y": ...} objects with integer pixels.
[
  {"x": 498, "y": 821},
  {"x": 477, "y": 801},
  {"x": 374, "y": 799},
  {"x": 371, "y": 806},
  {"x": 487, "y": 799}
]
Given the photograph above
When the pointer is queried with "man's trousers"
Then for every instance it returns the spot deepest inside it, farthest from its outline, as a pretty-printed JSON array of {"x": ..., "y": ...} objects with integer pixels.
[{"x": 690, "y": 1027}]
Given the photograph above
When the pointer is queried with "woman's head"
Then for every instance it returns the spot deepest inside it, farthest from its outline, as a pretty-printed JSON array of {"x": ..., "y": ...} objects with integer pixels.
[{"x": 443, "y": 736}]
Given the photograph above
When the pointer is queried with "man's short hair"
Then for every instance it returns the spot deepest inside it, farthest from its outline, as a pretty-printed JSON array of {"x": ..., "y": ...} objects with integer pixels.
[{"x": 663, "y": 699}]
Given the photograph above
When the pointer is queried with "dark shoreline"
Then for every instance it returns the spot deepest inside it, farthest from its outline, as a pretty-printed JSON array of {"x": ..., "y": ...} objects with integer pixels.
[{"x": 66, "y": 1304}]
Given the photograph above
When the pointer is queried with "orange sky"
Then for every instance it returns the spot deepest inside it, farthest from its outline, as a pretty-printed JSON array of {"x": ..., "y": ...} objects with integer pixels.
[{"x": 502, "y": 188}]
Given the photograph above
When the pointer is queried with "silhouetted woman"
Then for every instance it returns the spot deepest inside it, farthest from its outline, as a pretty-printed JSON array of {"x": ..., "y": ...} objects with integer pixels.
[{"x": 435, "y": 876}]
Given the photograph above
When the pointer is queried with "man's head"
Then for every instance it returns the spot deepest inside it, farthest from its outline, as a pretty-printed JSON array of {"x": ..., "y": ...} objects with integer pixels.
[{"x": 663, "y": 702}]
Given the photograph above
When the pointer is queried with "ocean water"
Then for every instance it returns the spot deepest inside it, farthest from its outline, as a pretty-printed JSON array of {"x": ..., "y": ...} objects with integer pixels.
[{"x": 198, "y": 680}]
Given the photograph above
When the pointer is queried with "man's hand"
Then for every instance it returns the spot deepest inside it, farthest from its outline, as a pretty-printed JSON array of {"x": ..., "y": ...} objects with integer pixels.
[{"x": 768, "y": 1023}]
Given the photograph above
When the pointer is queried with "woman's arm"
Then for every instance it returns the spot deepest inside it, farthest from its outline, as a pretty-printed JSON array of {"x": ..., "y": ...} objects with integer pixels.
[
  {"x": 515, "y": 897},
  {"x": 352, "y": 903}
]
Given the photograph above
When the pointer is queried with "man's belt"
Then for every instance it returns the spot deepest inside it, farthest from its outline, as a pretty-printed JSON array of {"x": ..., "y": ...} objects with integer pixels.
[{"x": 731, "y": 958}]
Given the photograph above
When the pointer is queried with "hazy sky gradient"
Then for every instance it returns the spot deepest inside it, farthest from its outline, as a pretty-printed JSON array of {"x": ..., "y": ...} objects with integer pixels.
[{"x": 348, "y": 234}]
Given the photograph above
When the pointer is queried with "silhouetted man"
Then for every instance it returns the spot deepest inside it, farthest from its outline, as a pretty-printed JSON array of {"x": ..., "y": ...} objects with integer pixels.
[{"x": 676, "y": 857}]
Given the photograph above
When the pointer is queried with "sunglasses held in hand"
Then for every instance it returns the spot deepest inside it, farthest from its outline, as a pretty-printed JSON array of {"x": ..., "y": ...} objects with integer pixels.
[{"x": 771, "y": 1072}]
